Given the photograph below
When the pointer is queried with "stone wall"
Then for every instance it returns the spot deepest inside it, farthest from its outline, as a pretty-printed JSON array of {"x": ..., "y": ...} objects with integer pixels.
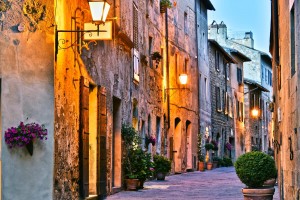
[
  {"x": 286, "y": 106},
  {"x": 221, "y": 122},
  {"x": 27, "y": 94}
]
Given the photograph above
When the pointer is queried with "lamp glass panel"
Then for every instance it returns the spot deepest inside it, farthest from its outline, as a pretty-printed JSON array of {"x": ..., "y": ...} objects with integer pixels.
[
  {"x": 96, "y": 10},
  {"x": 105, "y": 13},
  {"x": 183, "y": 79}
]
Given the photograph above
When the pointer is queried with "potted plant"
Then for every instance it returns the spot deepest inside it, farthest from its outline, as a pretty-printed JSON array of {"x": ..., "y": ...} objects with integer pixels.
[
  {"x": 162, "y": 166},
  {"x": 253, "y": 169},
  {"x": 164, "y": 4},
  {"x": 215, "y": 161},
  {"x": 134, "y": 159},
  {"x": 208, "y": 147},
  {"x": 25, "y": 135},
  {"x": 201, "y": 165}
]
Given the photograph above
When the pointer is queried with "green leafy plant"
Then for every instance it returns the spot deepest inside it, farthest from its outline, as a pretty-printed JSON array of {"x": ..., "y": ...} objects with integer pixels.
[
  {"x": 216, "y": 159},
  {"x": 136, "y": 162},
  {"x": 201, "y": 158},
  {"x": 254, "y": 168},
  {"x": 166, "y": 3},
  {"x": 227, "y": 162},
  {"x": 162, "y": 164},
  {"x": 209, "y": 146},
  {"x": 156, "y": 56}
]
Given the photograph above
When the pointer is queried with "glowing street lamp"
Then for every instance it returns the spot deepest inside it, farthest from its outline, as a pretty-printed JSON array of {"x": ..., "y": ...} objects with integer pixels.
[
  {"x": 255, "y": 112},
  {"x": 99, "y": 10},
  {"x": 183, "y": 78}
]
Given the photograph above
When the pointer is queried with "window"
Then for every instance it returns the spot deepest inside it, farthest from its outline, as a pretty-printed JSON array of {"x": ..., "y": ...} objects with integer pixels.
[
  {"x": 239, "y": 76},
  {"x": 136, "y": 61},
  {"x": 266, "y": 75},
  {"x": 205, "y": 89},
  {"x": 226, "y": 104},
  {"x": 218, "y": 99},
  {"x": 292, "y": 42},
  {"x": 217, "y": 60},
  {"x": 150, "y": 51},
  {"x": 135, "y": 27},
  {"x": 185, "y": 23},
  {"x": 186, "y": 62},
  {"x": 227, "y": 71},
  {"x": 136, "y": 56},
  {"x": 262, "y": 73},
  {"x": 270, "y": 78}
]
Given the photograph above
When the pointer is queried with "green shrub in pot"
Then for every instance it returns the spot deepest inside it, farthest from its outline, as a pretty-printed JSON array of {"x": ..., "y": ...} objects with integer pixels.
[{"x": 254, "y": 168}]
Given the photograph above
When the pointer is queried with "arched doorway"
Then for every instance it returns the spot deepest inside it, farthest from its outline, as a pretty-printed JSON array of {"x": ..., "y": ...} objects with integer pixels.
[{"x": 177, "y": 145}]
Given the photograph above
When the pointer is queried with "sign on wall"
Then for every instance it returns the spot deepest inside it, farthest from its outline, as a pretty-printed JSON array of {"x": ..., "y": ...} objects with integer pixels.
[{"x": 106, "y": 33}]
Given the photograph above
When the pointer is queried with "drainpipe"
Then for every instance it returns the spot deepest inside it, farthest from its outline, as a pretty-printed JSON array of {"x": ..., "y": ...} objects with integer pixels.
[
  {"x": 167, "y": 66},
  {"x": 198, "y": 59}
]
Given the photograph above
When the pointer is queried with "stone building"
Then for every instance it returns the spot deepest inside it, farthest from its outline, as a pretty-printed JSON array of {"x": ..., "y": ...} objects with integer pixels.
[
  {"x": 258, "y": 72},
  {"x": 203, "y": 67},
  {"x": 221, "y": 98},
  {"x": 285, "y": 48},
  {"x": 237, "y": 88},
  {"x": 84, "y": 92}
]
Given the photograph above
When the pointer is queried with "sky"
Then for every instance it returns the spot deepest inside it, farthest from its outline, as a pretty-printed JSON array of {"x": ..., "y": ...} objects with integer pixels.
[{"x": 245, "y": 15}]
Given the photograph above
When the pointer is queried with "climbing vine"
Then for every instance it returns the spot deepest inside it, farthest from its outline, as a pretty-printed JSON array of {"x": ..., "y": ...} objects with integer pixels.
[{"x": 35, "y": 11}]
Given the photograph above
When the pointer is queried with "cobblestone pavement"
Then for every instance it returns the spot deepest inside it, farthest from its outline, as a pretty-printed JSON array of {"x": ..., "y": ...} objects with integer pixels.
[{"x": 220, "y": 183}]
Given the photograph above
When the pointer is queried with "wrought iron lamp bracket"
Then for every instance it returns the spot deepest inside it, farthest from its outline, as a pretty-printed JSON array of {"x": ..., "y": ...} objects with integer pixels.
[{"x": 77, "y": 22}]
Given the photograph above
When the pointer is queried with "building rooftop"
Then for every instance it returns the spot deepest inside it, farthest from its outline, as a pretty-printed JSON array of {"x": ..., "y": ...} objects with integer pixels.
[
  {"x": 228, "y": 57},
  {"x": 259, "y": 86},
  {"x": 209, "y": 5}
]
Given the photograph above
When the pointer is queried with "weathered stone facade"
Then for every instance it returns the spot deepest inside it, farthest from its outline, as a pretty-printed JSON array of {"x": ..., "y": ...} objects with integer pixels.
[
  {"x": 203, "y": 66},
  {"x": 237, "y": 89},
  {"x": 258, "y": 72},
  {"x": 84, "y": 96},
  {"x": 221, "y": 95},
  {"x": 285, "y": 49},
  {"x": 150, "y": 99},
  {"x": 27, "y": 94}
]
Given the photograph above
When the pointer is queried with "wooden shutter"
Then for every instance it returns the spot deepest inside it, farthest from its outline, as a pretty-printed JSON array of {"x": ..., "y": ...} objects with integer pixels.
[
  {"x": 101, "y": 142},
  {"x": 84, "y": 137},
  {"x": 171, "y": 148},
  {"x": 135, "y": 27},
  {"x": 218, "y": 98}
]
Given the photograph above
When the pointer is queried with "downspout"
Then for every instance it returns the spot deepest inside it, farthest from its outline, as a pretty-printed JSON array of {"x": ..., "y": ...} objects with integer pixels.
[
  {"x": 167, "y": 66},
  {"x": 198, "y": 59}
]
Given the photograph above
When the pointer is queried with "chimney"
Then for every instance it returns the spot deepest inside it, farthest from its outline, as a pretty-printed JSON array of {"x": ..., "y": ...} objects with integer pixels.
[
  {"x": 248, "y": 39},
  {"x": 218, "y": 32}
]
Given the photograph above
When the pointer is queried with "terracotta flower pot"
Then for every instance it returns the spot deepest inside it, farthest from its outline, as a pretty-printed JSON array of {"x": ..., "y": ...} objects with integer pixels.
[
  {"x": 132, "y": 184},
  {"x": 160, "y": 176},
  {"x": 209, "y": 166},
  {"x": 201, "y": 166},
  {"x": 270, "y": 182},
  {"x": 265, "y": 193},
  {"x": 215, "y": 164}
]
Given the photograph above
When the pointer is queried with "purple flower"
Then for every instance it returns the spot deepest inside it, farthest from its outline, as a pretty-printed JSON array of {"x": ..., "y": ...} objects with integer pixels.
[{"x": 24, "y": 133}]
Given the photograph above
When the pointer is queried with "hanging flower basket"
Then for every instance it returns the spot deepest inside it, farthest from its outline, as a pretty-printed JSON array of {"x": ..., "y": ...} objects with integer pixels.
[
  {"x": 149, "y": 140},
  {"x": 164, "y": 4},
  {"x": 24, "y": 135}
]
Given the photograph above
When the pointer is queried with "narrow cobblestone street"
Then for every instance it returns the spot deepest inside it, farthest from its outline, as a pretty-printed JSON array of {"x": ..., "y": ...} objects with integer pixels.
[{"x": 220, "y": 183}]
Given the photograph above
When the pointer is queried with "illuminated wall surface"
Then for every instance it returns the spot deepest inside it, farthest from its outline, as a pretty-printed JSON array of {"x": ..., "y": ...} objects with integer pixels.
[{"x": 27, "y": 94}]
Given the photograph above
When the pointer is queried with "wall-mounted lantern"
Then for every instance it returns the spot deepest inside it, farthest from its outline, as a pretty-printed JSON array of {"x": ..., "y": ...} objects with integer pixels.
[
  {"x": 99, "y": 10},
  {"x": 183, "y": 78},
  {"x": 255, "y": 112}
]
